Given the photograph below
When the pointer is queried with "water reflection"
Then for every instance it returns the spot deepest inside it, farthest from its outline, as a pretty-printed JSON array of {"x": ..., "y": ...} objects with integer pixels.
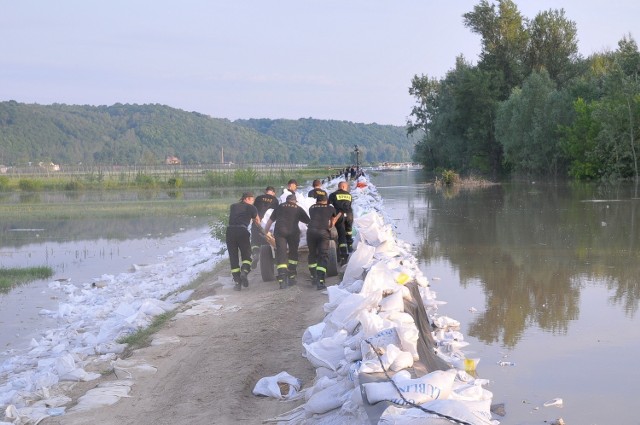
[{"x": 532, "y": 248}]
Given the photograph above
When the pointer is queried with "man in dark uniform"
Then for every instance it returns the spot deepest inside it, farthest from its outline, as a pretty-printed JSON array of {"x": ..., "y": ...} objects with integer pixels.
[
  {"x": 287, "y": 217},
  {"x": 262, "y": 203},
  {"x": 341, "y": 200},
  {"x": 317, "y": 190},
  {"x": 322, "y": 217},
  {"x": 241, "y": 214}
]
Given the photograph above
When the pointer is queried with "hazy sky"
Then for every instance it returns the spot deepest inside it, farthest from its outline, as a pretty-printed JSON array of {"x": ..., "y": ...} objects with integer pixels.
[{"x": 345, "y": 60}]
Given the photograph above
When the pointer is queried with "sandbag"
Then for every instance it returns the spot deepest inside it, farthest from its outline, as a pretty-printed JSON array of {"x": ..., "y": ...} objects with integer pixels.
[
  {"x": 281, "y": 386},
  {"x": 432, "y": 386}
]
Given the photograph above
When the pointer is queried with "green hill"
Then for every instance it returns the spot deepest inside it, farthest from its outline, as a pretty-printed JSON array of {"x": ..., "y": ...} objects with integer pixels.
[{"x": 147, "y": 134}]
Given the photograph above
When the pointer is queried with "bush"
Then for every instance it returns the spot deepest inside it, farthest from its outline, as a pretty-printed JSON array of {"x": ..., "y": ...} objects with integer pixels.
[
  {"x": 4, "y": 183},
  {"x": 29, "y": 185},
  {"x": 145, "y": 180},
  {"x": 450, "y": 177},
  {"x": 175, "y": 182},
  {"x": 73, "y": 185}
]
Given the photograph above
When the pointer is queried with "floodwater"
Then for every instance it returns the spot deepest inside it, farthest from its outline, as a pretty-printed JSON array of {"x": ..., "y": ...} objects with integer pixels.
[
  {"x": 80, "y": 251},
  {"x": 545, "y": 277}
]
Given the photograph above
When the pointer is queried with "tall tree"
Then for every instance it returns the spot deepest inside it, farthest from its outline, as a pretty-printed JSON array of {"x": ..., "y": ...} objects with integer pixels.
[
  {"x": 619, "y": 111},
  {"x": 504, "y": 41},
  {"x": 553, "y": 46},
  {"x": 527, "y": 126}
]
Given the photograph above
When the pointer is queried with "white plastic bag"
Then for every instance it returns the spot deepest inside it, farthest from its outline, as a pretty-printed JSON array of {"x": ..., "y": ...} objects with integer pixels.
[{"x": 281, "y": 386}]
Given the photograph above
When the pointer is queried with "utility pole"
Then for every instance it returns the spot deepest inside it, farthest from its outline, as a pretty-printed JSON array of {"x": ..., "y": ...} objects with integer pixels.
[{"x": 357, "y": 152}]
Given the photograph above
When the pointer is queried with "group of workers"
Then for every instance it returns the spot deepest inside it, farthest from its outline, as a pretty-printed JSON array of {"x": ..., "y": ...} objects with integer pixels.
[{"x": 328, "y": 211}]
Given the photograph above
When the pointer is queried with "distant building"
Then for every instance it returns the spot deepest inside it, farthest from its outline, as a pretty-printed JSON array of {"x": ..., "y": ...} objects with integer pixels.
[
  {"x": 49, "y": 166},
  {"x": 172, "y": 160}
]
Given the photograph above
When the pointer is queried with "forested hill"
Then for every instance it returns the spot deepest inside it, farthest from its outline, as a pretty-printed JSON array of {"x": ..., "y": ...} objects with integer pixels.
[{"x": 147, "y": 134}]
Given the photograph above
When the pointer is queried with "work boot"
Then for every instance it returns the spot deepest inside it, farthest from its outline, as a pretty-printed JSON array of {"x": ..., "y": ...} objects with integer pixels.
[
  {"x": 255, "y": 256},
  {"x": 292, "y": 280},
  {"x": 244, "y": 273},
  {"x": 282, "y": 279},
  {"x": 320, "y": 281},
  {"x": 237, "y": 286}
]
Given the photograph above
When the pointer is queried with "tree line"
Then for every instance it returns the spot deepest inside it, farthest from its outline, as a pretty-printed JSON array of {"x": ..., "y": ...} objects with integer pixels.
[
  {"x": 531, "y": 106},
  {"x": 125, "y": 134}
]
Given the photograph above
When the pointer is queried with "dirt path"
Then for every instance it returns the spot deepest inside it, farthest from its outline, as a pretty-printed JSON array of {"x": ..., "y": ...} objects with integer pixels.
[{"x": 208, "y": 376}]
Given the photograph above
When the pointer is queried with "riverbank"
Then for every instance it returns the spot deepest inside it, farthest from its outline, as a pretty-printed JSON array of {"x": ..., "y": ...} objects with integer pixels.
[{"x": 209, "y": 364}]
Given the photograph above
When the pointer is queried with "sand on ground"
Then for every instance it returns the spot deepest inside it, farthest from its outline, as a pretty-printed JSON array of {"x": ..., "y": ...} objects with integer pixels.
[{"x": 208, "y": 376}]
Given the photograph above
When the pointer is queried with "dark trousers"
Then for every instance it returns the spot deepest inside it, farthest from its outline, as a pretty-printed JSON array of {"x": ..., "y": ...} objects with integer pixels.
[
  {"x": 287, "y": 253},
  {"x": 257, "y": 236},
  {"x": 345, "y": 235},
  {"x": 237, "y": 239},
  {"x": 318, "y": 242}
]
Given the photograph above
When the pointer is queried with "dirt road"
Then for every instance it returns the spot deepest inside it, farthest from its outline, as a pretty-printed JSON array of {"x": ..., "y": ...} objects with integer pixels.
[{"x": 208, "y": 376}]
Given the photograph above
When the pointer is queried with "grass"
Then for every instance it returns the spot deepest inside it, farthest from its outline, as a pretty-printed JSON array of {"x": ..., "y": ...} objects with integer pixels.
[
  {"x": 9, "y": 278},
  {"x": 143, "y": 337}
]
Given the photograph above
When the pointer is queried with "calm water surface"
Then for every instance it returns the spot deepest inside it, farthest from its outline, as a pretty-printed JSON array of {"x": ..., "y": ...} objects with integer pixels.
[
  {"x": 80, "y": 251},
  {"x": 544, "y": 276}
]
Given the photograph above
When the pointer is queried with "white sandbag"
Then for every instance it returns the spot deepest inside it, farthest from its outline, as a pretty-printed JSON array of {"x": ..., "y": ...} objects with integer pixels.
[
  {"x": 326, "y": 352},
  {"x": 445, "y": 322},
  {"x": 105, "y": 394},
  {"x": 401, "y": 359},
  {"x": 408, "y": 335},
  {"x": 336, "y": 296},
  {"x": 463, "y": 412},
  {"x": 372, "y": 229},
  {"x": 379, "y": 341},
  {"x": 359, "y": 260},
  {"x": 329, "y": 398},
  {"x": 281, "y": 386},
  {"x": 429, "y": 387},
  {"x": 132, "y": 368},
  {"x": 313, "y": 333},
  {"x": 349, "y": 308},
  {"x": 391, "y": 357},
  {"x": 392, "y": 302}
]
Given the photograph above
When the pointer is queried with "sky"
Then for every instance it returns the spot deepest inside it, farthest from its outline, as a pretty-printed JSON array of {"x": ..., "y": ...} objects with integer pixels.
[{"x": 350, "y": 60}]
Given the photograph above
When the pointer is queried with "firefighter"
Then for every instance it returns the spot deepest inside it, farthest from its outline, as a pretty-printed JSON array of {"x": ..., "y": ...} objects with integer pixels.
[
  {"x": 241, "y": 214},
  {"x": 292, "y": 187},
  {"x": 262, "y": 203},
  {"x": 317, "y": 190},
  {"x": 322, "y": 216},
  {"x": 341, "y": 200},
  {"x": 287, "y": 217}
]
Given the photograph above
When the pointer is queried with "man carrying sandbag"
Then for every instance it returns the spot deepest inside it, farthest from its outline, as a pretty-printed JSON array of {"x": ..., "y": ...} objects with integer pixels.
[
  {"x": 287, "y": 217},
  {"x": 241, "y": 214},
  {"x": 323, "y": 217}
]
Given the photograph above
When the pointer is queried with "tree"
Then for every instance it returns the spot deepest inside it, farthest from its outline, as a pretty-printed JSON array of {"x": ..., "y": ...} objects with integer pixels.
[
  {"x": 504, "y": 42},
  {"x": 553, "y": 46},
  {"x": 527, "y": 126},
  {"x": 619, "y": 111}
]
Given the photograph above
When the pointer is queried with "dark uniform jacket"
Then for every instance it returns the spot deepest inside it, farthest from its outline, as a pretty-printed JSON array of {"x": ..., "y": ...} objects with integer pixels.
[
  {"x": 264, "y": 202},
  {"x": 315, "y": 192},
  {"x": 320, "y": 214},
  {"x": 287, "y": 216},
  {"x": 241, "y": 213},
  {"x": 341, "y": 200}
]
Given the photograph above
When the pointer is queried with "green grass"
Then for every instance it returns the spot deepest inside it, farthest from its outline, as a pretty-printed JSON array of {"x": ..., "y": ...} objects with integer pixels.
[
  {"x": 142, "y": 337},
  {"x": 10, "y": 278}
]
